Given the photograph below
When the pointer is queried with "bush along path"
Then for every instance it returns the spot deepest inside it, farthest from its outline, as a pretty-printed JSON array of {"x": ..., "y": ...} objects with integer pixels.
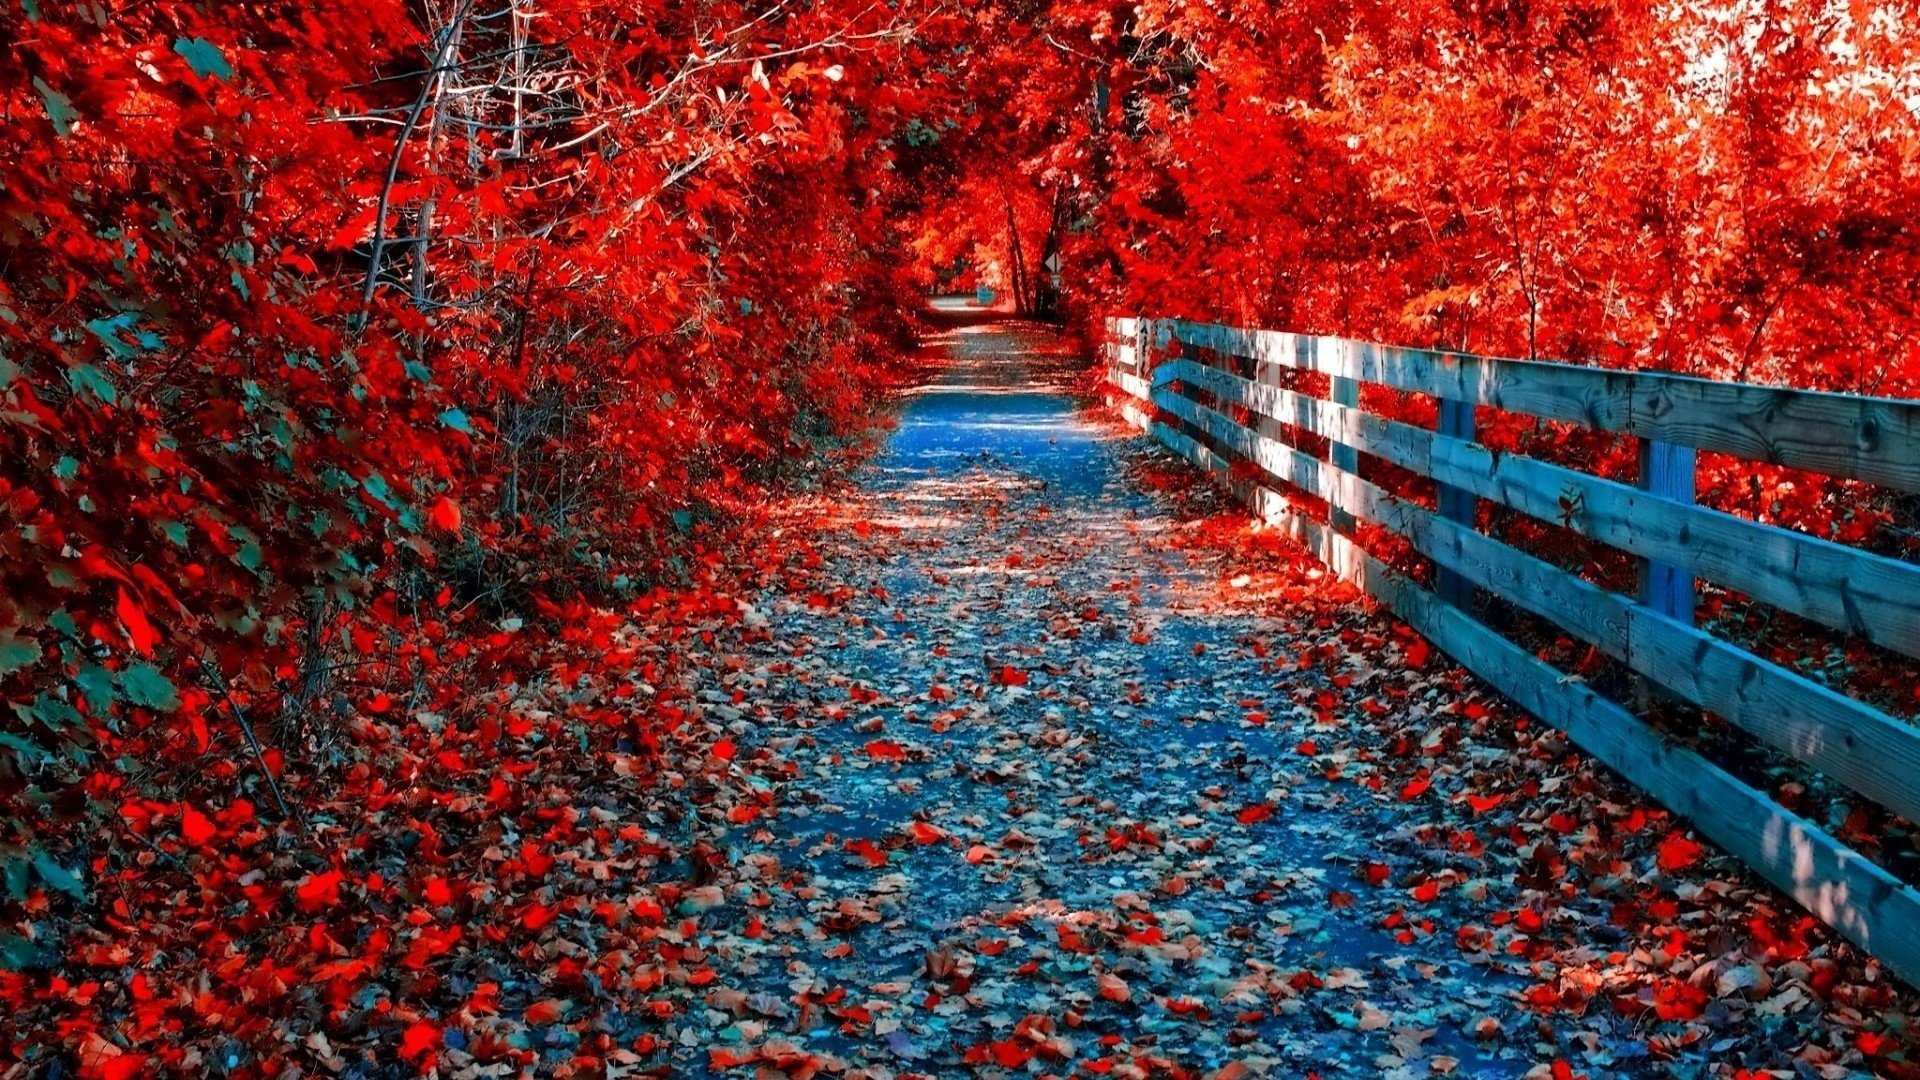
[{"x": 1051, "y": 764}]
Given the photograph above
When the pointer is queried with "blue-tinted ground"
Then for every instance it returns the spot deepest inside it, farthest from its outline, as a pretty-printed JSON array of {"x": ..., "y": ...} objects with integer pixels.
[{"x": 1040, "y": 801}]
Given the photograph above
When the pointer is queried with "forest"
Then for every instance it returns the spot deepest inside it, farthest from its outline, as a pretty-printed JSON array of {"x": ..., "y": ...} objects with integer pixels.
[{"x": 395, "y": 394}]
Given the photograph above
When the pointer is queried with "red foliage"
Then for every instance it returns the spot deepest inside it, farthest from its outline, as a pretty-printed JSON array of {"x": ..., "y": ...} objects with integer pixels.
[{"x": 364, "y": 367}]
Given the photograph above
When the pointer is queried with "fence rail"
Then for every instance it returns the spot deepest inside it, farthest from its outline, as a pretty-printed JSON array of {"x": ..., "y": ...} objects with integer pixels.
[{"x": 1166, "y": 385}]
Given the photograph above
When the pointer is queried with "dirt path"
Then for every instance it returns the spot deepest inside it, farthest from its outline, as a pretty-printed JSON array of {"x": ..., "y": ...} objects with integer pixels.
[{"x": 1051, "y": 789}]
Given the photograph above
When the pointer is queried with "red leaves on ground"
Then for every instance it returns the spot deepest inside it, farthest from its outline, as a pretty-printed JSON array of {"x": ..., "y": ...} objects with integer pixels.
[
  {"x": 1677, "y": 852},
  {"x": 869, "y": 851},
  {"x": 196, "y": 827},
  {"x": 1416, "y": 651},
  {"x": 1255, "y": 813},
  {"x": 319, "y": 891},
  {"x": 886, "y": 750},
  {"x": 421, "y": 1041},
  {"x": 926, "y": 833},
  {"x": 1008, "y": 675},
  {"x": 1484, "y": 803}
]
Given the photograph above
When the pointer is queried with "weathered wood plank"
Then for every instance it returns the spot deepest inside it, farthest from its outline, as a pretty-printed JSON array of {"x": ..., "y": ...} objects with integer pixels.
[
  {"x": 1455, "y": 504},
  {"x": 1859, "y": 592},
  {"x": 1340, "y": 454},
  {"x": 1852, "y": 742},
  {"x": 1867, "y": 438},
  {"x": 1666, "y": 472},
  {"x": 1132, "y": 385}
]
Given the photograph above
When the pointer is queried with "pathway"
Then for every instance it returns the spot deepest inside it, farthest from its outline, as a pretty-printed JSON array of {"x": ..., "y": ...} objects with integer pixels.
[{"x": 1052, "y": 787}]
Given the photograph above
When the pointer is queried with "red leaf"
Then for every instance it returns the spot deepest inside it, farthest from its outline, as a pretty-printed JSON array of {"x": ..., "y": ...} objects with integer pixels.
[
  {"x": 1011, "y": 676},
  {"x": 1415, "y": 788},
  {"x": 867, "y": 850},
  {"x": 883, "y": 750},
  {"x": 1258, "y": 812},
  {"x": 320, "y": 890},
  {"x": 196, "y": 828},
  {"x": 120, "y": 1067},
  {"x": 420, "y": 1041},
  {"x": 1677, "y": 852},
  {"x": 1417, "y": 651},
  {"x": 924, "y": 833},
  {"x": 725, "y": 750},
  {"x": 134, "y": 618},
  {"x": 446, "y": 515}
]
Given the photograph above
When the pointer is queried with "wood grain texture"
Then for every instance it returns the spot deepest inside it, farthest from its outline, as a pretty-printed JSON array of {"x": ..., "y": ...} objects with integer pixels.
[
  {"x": 1456, "y": 504},
  {"x": 1667, "y": 472},
  {"x": 1869, "y": 595},
  {"x": 1866, "y": 438}
]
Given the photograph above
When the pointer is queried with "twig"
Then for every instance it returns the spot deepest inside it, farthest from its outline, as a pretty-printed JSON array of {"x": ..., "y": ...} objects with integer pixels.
[
  {"x": 253, "y": 741},
  {"x": 385, "y": 203},
  {"x": 167, "y": 856}
]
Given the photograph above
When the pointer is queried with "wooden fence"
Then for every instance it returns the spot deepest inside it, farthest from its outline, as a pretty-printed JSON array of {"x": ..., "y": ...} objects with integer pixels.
[{"x": 1175, "y": 379}]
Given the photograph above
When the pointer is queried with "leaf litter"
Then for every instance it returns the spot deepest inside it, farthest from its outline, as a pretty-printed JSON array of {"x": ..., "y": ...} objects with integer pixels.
[{"x": 1062, "y": 767}]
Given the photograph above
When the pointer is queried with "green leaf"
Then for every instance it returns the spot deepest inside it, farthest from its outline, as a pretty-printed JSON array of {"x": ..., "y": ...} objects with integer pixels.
[
  {"x": 28, "y": 755},
  {"x": 456, "y": 420},
  {"x": 16, "y": 653},
  {"x": 19, "y": 954},
  {"x": 87, "y": 377},
  {"x": 59, "y": 107},
  {"x": 108, "y": 331},
  {"x": 204, "y": 57},
  {"x": 58, "y": 876},
  {"x": 96, "y": 685},
  {"x": 144, "y": 685},
  {"x": 48, "y": 711},
  {"x": 15, "y": 872}
]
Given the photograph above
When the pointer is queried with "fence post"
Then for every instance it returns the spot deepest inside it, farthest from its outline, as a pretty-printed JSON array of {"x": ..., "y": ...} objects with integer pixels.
[
  {"x": 1666, "y": 470},
  {"x": 1456, "y": 504},
  {"x": 1344, "y": 391}
]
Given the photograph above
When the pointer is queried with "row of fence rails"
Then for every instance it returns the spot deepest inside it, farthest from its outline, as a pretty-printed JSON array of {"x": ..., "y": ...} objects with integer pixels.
[{"x": 1189, "y": 402}]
